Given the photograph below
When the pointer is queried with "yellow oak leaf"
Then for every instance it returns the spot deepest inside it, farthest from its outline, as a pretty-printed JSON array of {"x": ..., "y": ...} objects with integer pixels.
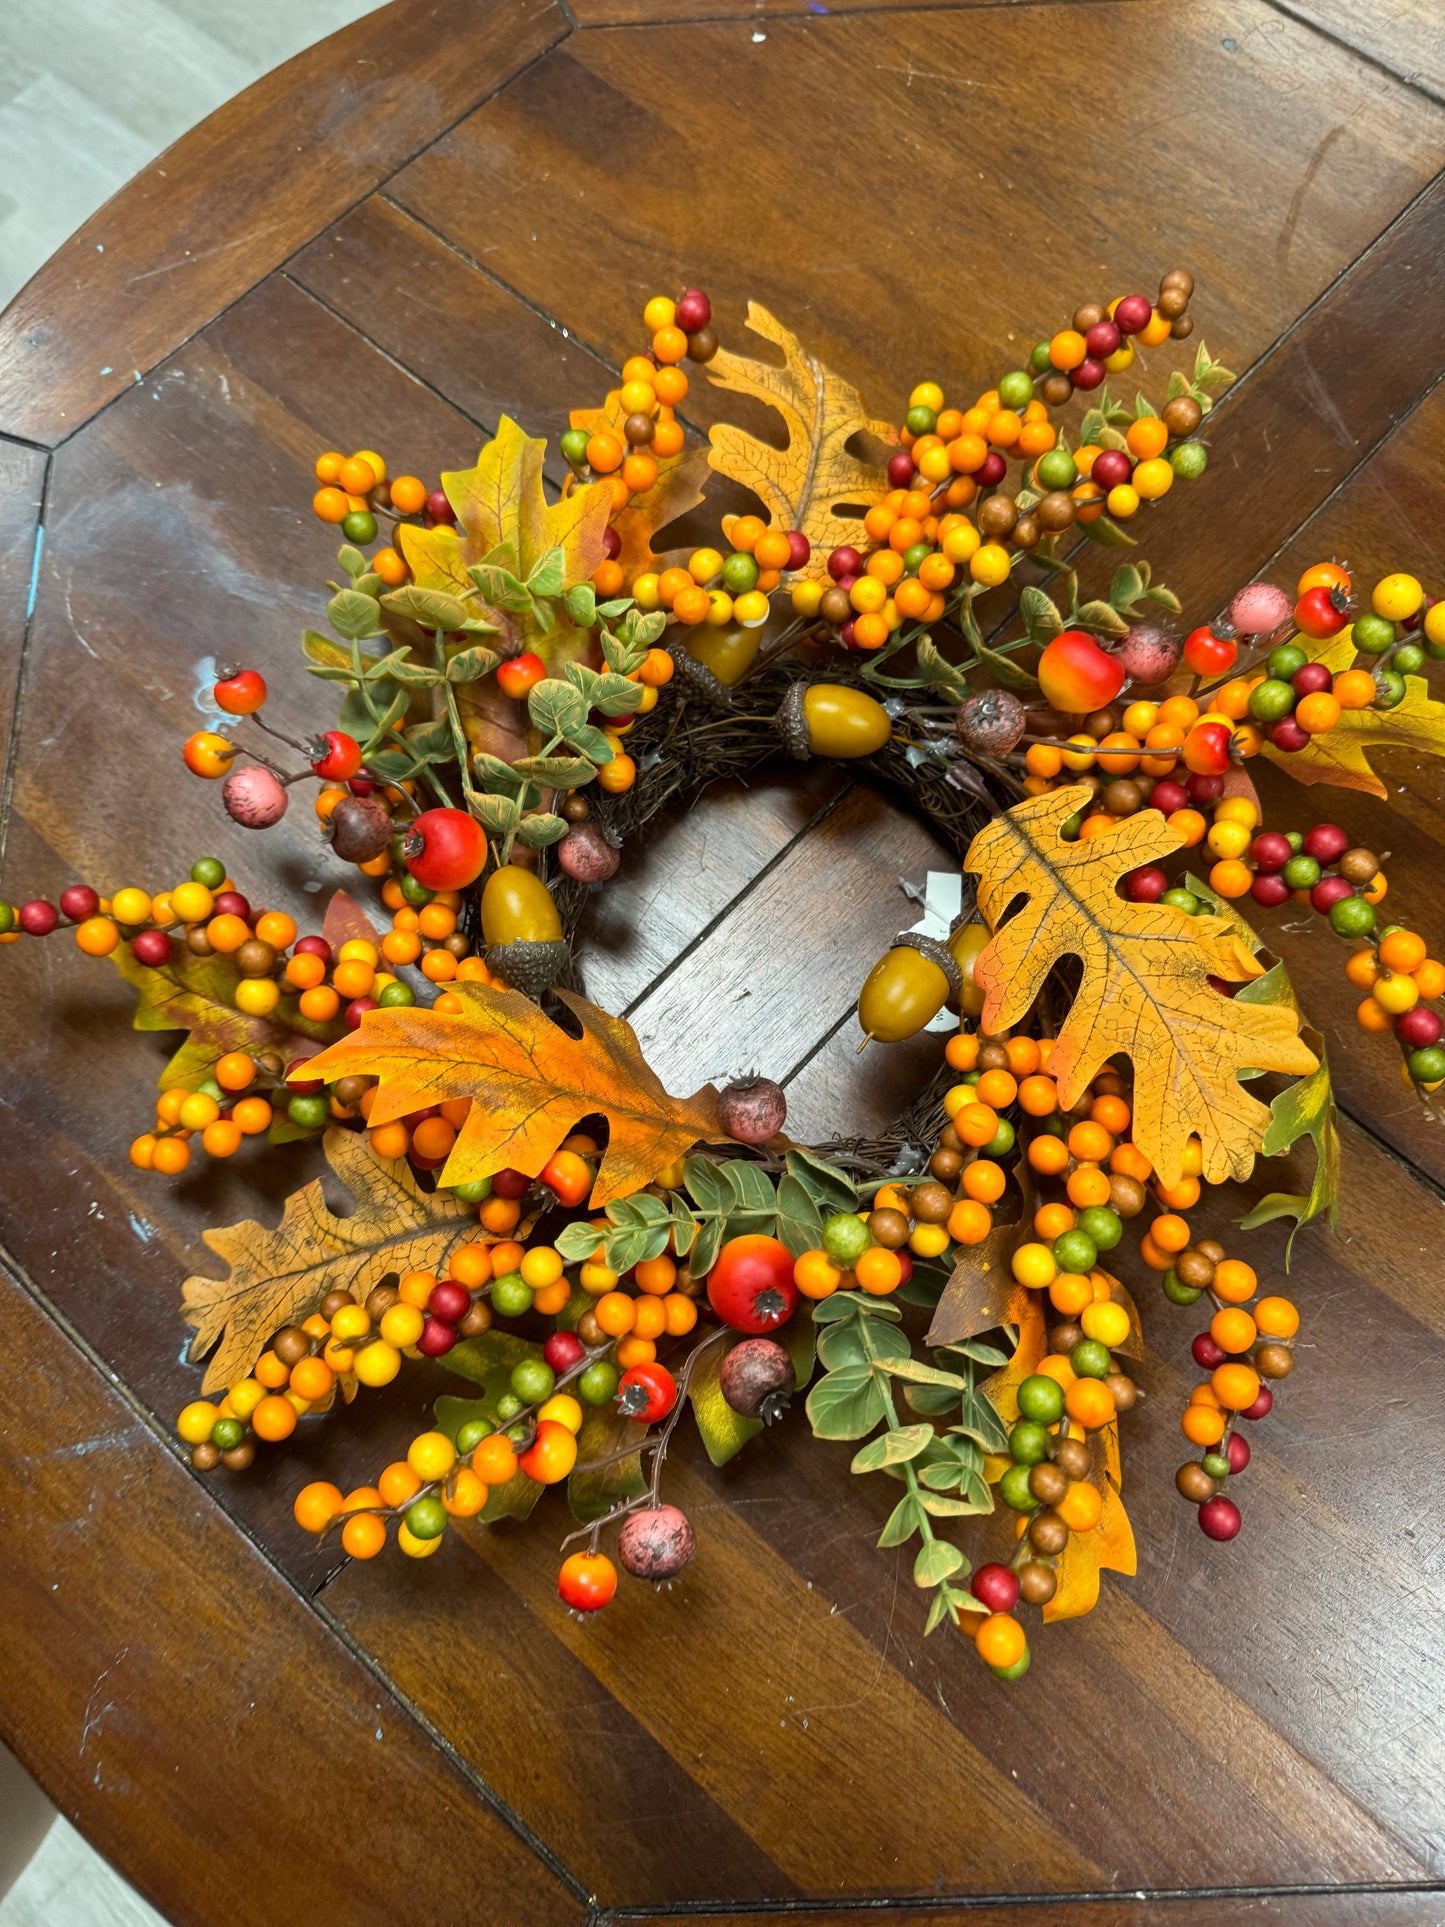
[
  {"x": 530, "y": 1084},
  {"x": 982, "y": 1291},
  {"x": 435, "y": 559},
  {"x": 1032, "y": 1345},
  {"x": 502, "y": 502},
  {"x": 1341, "y": 756},
  {"x": 1144, "y": 991},
  {"x": 815, "y": 483},
  {"x": 678, "y": 488},
  {"x": 276, "y": 1276}
]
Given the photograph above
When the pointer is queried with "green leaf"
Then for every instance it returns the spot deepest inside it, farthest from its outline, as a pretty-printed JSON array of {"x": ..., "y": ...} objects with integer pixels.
[
  {"x": 830, "y": 1189},
  {"x": 1107, "y": 533},
  {"x": 497, "y": 775},
  {"x": 1091, "y": 427},
  {"x": 592, "y": 1493},
  {"x": 1177, "y": 385},
  {"x": 895, "y": 1447},
  {"x": 577, "y": 1242},
  {"x": 412, "y": 675},
  {"x": 556, "y": 708},
  {"x": 1101, "y": 618},
  {"x": 940, "y": 1506},
  {"x": 937, "y": 1560},
  {"x": 940, "y": 1607},
  {"x": 846, "y": 1403},
  {"x": 980, "y": 1353},
  {"x": 431, "y": 608},
  {"x": 498, "y": 815},
  {"x": 1040, "y": 616},
  {"x": 932, "y": 1401},
  {"x": 548, "y": 575},
  {"x": 904, "y": 1520},
  {"x": 706, "y": 1185},
  {"x": 617, "y": 695},
  {"x": 540, "y": 830},
  {"x": 1303, "y": 1109},
  {"x": 580, "y": 602},
  {"x": 590, "y": 742},
  {"x": 470, "y": 665},
  {"x": 1164, "y": 598},
  {"x": 917, "y": 1373},
  {"x": 430, "y": 741},
  {"x": 353, "y": 615},
  {"x": 798, "y": 1224},
  {"x": 555, "y": 772},
  {"x": 1126, "y": 587},
  {"x": 939, "y": 672},
  {"x": 352, "y": 560},
  {"x": 501, "y": 589},
  {"x": 1005, "y": 670}
]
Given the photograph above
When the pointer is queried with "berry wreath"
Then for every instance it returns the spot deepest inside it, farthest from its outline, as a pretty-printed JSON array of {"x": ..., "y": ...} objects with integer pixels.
[{"x": 527, "y": 677}]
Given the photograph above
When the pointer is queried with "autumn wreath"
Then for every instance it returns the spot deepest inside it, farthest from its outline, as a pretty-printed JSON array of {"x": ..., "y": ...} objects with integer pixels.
[{"x": 527, "y": 674}]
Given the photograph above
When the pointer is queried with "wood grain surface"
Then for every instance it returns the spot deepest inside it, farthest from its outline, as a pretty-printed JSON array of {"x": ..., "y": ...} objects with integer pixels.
[{"x": 493, "y": 193}]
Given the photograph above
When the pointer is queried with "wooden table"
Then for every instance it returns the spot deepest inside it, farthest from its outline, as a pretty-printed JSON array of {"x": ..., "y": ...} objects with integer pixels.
[{"x": 454, "y": 209}]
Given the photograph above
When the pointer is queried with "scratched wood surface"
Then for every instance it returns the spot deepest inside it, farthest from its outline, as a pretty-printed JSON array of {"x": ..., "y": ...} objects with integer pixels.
[{"x": 496, "y": 190}]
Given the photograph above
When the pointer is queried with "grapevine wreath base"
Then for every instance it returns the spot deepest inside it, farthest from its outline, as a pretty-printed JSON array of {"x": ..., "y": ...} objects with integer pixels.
[{"x": 526, "y": 679}]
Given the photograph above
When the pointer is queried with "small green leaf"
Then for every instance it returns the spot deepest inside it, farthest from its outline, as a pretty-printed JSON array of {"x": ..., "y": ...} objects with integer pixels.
[
  {"x": 556, "y": 772},
  {"x": 896, "y": 1447},
  {"x": 470, "y": 665},
  {"x": 830, "y": 1189},
  {"x": 1005, "y": 670},
  {"x": 941, "y": 1506},
  {"x": 549, "y": 574},
  {"x": 540, "y": 830},
  {"x": 413, "y": 675},
  {"x": 1101, "y": 618},
  {"x": 1041, "y": 618},
  {"x": 432, "y": 608},
  {"x": 498, "y": 815},
  {"x": 616, "y": 695},
  {"x": 939, "y": 672},
  {"x": 904, "y": 1520},
  {"x": 352, "y": 560},
  {"x": 433, "y": 741},
  {"x": 556, "y": 708},
  {"x": 846, "y": 1403},
  {"x": 353, "y": 615},
  {"x": 1164, "y": 598},
  {"x": 936, "y": 1561},
  {"x": 799, "y": 1225},
  {"x": 500, "y": 589},
  {"x": 580, "y": 602},
  {"x": 590, "y": 742}
]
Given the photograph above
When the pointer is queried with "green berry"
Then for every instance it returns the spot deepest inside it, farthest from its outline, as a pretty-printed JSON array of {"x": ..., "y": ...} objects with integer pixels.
[
  {"x": 598, "y": 1384},
  {"x": 1389, "y": 689},
  {"x": 511, "y": 1295},
  {"x": 533, "y": 1380},
  {"x": 474, "y": 1192},
  {"x": 1016, "y": 390},
  {"x": 1013, "y": 1489},
  {"x": 1075, "y": 1251},
  {"x": 915, "y": 557},
  {"x": 1295, "y": 840},
  {"x": 208, "y": 870},
  {"x": 1042, "y": 1399},
  {"x": 1002, "y": 1141},
  {"x": 1101, "y": 1224},
  {"x": 922, "y": 421},
  {"x": 1182, "y": 899},
  {"x": 359, "y": 526},
  {"x": 1301, "y": 872},
  {"x": 1189, "y": 460},
  {"x": 508, "y": 1406},
  {"x": 426, "y": 1518},
  {"x": 1285, "y": 660},
  {"x": 309, "y": 1113},
  {"x": 1070, "y": 827},
  {"x": 1372, "y": 634},
  {"x": 1058, "y": 469},
  {"x": 1090, "y": 1359},
  {"x": 574, "y": 447},
  {"x": 1028, "y": 1443},
  {"x": 7, "y": 918},
  {"x": 1352, "y": 917},
  {"x": 1426, "y": 1065},
  {"x": 416, "y": 894},
  {"x": 1016, "y": 1671},
  {"x": 397, "y": 996},
  {"x": 470, "y": 1436},
  {"x": 1408, "y": 659},
  {"x": 1271, "y": 699},
  {"x": 227, "y": 1434},
  {"x": 1039, "y": 360},
  {"x": 1216, "y": 1465},
  {"x": 845, "y": 1238},
  {"x": 740, "y": 573}
]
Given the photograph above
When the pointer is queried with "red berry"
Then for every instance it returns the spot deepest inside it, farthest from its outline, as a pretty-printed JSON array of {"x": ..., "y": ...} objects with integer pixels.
[
  {"x": 751, "y": 1286},
  {"x": 1206, "y": 653},
  {"x": 363, "y": 783},
  {"x": 312, "y": 947},
  {"x": 437, "y": 1338},
  {"x": 507, "y": 1183},
  {"x": 900, "y": 468},
  {"x": 78, "y": 901},
  {"x": 297, "y": 1084},
  {"x": 1262, "y": 1406},
  {"x": 1326, "y": 843},
  {"x": 1270, "y": 890},
  {"x": 1219, "y": 1519},
  {"x": 801, "y": 547},
  {"x": 521, "y": 674},
  {"x": 848, "y": 634},
  {"x": 844, "y": 562},
  {"x": 1318, "y": 615},
  {"x": 993, "y": 471},
  {"x": 1204, "y": 789},
  {"x": 449, "y": 1301},
  {"x": 153, "y": 948},
  {"x": 1270, "y": 851},
  {"x": 230, "y": 903},
  {"x": 1207, "y": 1354},
  {"x": 1237, "y": 1451},
  {"x": 611, "y": 543},
  {"x": 1076, "y": 675},
  {"x": 693, "y": 311},
  {"x": 1111, "y": 467},
  {"x": 446, "y": 849},
  {"x": 646, "y": 1393},
  {"x": 38, "y": 918},
  {"x": 1133, "y": 313},
  {"x": 1168, "y": 796},
  {"x": 1146, "y": 885},
  {"x": 438, "y": 508},
  {"x": 1206, "y": 749},
  {"x": 587, "y": 1581},
  {"x": 1103, "y": 339},
  {"x": 1310, "y": 679},
  {"x": 356, "y": 1010},
  {"x": 1418, "y": 1028},
  {"x": 240, "y": 694},
  {"x": 996, "y": 1587},
  {"x": 1288, "y": 736},
  {"x": 1089, "y": 373},
  {"x": 563, "y": 1350},
  {"x": 335, "y": 756},
  {"x": 1329, "y": 891}
]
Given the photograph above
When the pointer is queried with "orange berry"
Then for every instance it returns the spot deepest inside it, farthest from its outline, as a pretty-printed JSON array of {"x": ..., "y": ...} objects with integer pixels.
[
  {"x": 1203, "y": 1425},
  {"x": 1052, "y": 1221},
  {"x": 1234, "y": 1281},
  {"x": 1276, "y": 1317},
  {"x": 398, "y": 1483},
  {"x": 1235, "y": 1386},
  {"x": 1232, "y": 1330},
  {"x": 1088, "y": 1186},
  {"x": 274, "y": 1418},
  {"x": 1089, "y": 1402},
  {"x": 997, "y": 1089},
  {"x": 1170, "y": 1233},
  {"x": 984, "y": 1181},
  {"x": 1090, "y": 1142},
  {"x": 1048, "y": 1156},
  {"x": 316, "y": 1505},
  {"x": 969, "y": 1222}
]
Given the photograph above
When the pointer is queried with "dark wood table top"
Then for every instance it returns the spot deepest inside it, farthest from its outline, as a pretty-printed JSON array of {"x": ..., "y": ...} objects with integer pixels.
[{"x": 453, "y": 209}]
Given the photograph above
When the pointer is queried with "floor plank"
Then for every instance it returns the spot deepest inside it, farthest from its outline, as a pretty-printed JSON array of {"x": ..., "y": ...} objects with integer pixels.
[
  {"x": 22, "y": 484},
  {"x": 1403, "y": 35},
  {"x": 123, "y": 1589},
  {"x": 195, "y": 230},
  {"x": 1359, "y": 1909}
]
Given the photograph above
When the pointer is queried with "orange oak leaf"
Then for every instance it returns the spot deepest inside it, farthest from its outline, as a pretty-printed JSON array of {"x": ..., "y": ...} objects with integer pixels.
[
  {"x": 678, "y": 488},
  {"x": 276, "y": 1276},
  {"x": 1144, "y": 991},
  {"x": 529, "y": 1082},
  {"x": 982, "y": 1291},
  {"x": 816, "y": 483},
  {"x": 1032, "y": 1344},
  {"x": 1341, "y": 756}
]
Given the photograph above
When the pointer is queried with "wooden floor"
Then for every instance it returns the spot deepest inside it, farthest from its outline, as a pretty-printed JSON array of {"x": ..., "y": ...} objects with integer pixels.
[{"x": 491, "y": 189}]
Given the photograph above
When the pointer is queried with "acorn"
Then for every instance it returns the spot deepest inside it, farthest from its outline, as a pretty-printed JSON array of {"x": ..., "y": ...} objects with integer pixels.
[
  {"x": 697, "y": 680},
  {"x": 532, "y": 968},
  {"x": 757, "y": 1379},
  {"x": 751, "y": 1110},
  {"x": 832, "y": 719},
  {"x": 729, "y": 653},
  {"x": 359, "y": 828},
  {"x": 991, "y": 723},
  {"x": 587, "y": 853}
]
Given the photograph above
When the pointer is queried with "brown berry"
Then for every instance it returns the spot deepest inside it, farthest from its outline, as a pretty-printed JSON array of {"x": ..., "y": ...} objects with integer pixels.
[
  {"x": 1182, "y": 327},
  {"x": 684, "y": 1282},
  {"x": 949, "y": 1140},
  {"x": 291, "y": 1345},
  {"x": 240, "y": 1457},
  {"x": 476, "y": 1319},
  {"x": 702, "y": 346},
  {"x": 205, "y": 1457},
  {"x": 1359, "y": 866},
  {"x": 1037, "y": 1583},
  {"x": 1055, "y": 511},
  {"x": 1192, "y": 1268},
  {"x": 255, "y": 958},
  {"x": 1178, "y": 278},
  {"x": 198, "y": 943},
  {"x": 1101, "y": 722},
  {"x": 589, "y": 1331},
  {"x": 1194, "y": 1483},
  {"x": 888, "y": 1228},
  {"x": 1027, "y": 532},
  {"x": 1274, "y": 1361},
  {"x": 1048, "y": 1483},
  {"x": 836, "y": 606},
  {"x": 993, "y": 1057},
  {"x": 638, "y": 430},
  {"x": 996, "y": 516},
  {"x": 931, "y": 1203},
  {"x": 946, "y": 1165},
  {"x": 1121, "y": 797},
  {"x": 1088, "y": 314},
  {"x": 1182, "y": 415},
  {"x": 1047, "y": 1532},
  {"x": 1127, "y": 1195},
  {"x": 1055, "y": 390},
  {"x": 380, "y": 1299},
  {"x": 1212, "y": 1249},
  {"x": 334, "y": 1300},
  {"x": 575, "y": 808},
  {"x": 1125, "y": 1391},
  {"x": 1073, "y": 1458},
  {"x": 351, "y": 1090},
  {"x": 1063, "y": 1338},
  {"x": 458, "y": 943},
  {"x": 1172, "y": 302}
]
